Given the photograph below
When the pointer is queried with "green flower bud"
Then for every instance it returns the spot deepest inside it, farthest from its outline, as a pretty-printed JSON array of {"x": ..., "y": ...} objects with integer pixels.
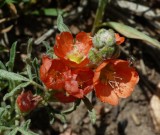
[
  {"x": 104, "y": 38},
  {"x": 106, "y": 52},
  {"x": 94, "y": 56},
  {"x": 104, "y": 47}
]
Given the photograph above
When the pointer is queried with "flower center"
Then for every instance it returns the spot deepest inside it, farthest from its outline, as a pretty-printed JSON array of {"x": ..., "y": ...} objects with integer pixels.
[
  {"x": 55, "y": 76},
  {"x": 76, "y": 55},
  {"x": 109, "y": 76}
]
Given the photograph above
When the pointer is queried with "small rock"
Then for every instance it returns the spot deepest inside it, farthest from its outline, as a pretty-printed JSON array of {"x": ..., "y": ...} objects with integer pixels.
[
  {"x": 135, "y": 119},
  {"x": 86, "y": 120},
  {"x": 155, "y": 111},
  {"x": 74, "y": 29}
]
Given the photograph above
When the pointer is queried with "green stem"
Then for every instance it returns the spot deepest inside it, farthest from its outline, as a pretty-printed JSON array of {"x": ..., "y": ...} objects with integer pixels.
[
  {"x": 99, "y": 14},
  {"x": 73, "y": 108},
  {"x": 38, "y": 86}
]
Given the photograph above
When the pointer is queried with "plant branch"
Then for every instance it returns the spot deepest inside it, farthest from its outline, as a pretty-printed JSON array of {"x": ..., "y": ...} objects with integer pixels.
[{"x": 38, "y": 86}]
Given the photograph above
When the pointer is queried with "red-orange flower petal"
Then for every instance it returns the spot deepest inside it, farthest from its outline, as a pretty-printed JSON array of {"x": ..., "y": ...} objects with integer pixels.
[
  {"x": 119, "y": 40},
  {"x": 73, "y": 53},
  {"x": 113, "y": 79},
  {"x": 106, "y": 94},
  {"x": 64, "y": 44},
  {"x": 51, "y": 73},
  {"x": 85, "y": 42},
  {"x": 72, "y": 86},
  {"x": 62, "y": 97},
  {"x": 46, "y": 65},
  {"x": 85, "y": 79},
  {"x": 129, "y": 78},
  {"x": 78, "y": 82}
]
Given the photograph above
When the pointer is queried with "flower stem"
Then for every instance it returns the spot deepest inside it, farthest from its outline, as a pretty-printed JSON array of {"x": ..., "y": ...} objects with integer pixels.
[
  {"x": 38, "y": 86},
  {"x": 99, "y": 14}
]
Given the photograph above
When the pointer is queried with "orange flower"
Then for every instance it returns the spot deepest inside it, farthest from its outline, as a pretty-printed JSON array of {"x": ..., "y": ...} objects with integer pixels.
[
  {"x": 114, "y": 79},
  {"x": 26, "y": 101},
  {"x": 73, "y": 52},
  {"x": 66, "y": 82},
  {"x": 85, "y": 79},
  {"x": 78, "y": 82},
  {"x": 119, "y": 40},
  {"x": 51, "y": 73}
]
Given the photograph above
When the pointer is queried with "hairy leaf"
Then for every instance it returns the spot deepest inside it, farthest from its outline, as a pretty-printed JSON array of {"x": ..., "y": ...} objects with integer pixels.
[
  {"x": 130, "y": 32},
  {"x": 92, "y": 115},
  {"x": 91, "y": 111},
  {"x": 28, "y": 60},
  {"x": 13, "y": 132},
  {"x": 20, "y": 86},
  {"x": 60, "y": 24},
  {"x": 10, "y": 63},
  {"x": 12, "y": 76},
  {"x": 26, "y": 132},
  {"x": 2, "y": 66}
]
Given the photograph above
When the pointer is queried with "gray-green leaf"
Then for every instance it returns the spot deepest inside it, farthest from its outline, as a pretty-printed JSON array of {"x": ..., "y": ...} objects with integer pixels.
[
  {"x": 130, "y": 32},
  {"x": 2, "y": 66},
  {"x": 60, "y": 24},
  {"x": 10, "y": 63},
  {"x": 92, "y": 115},
  {"x": 4, "y": 128},
  {"x": 26, "y": 132},
  {"x": 12, "y": 76},
  {"x": 13, "y": 132},
  {"x": 22, "y": 85}
]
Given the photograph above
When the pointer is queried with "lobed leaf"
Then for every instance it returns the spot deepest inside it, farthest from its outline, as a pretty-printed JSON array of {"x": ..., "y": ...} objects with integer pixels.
[{"x": 130, "y": 32}]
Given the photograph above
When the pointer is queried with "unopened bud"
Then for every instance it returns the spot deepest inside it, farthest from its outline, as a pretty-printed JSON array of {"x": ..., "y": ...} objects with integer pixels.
[
  {"x": 104, "y": 38},
  {"x": 94, "y": 57},
  {"x": 104, "y": 47}
]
